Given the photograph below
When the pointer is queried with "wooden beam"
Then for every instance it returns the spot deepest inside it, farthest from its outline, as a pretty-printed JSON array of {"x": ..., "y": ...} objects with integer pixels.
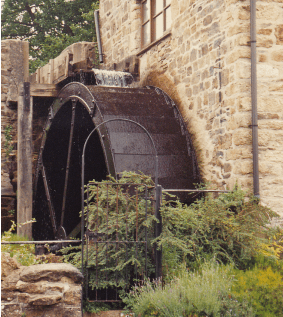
[
  {"x": 24, "y": 161},
  {"x": 59, "y": 68},
  {"x": 43, "y": 90}
]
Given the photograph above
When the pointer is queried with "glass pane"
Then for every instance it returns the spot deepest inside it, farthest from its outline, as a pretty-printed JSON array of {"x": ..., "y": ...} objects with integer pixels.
[
  {"x": 145, "y": 10},
  {"x": 146, "y": 33},
  {"x": 168, "y": 20},
  {"x": 158, "y": 26},
  {"x": 167, "y": 2},
  {"x": 158, "y": 6}
]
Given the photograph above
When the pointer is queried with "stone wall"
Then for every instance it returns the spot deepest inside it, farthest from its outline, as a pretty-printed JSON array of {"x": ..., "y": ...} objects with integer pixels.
[
  {"x": 14, "y": 70},
  {"x": 204, "y": 65},
  {"x": 120, "y": 29},
  {"x": 39, "y": 290}
]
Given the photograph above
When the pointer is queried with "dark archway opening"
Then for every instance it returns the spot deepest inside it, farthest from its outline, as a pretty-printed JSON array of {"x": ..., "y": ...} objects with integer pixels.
[{"x": 63, "y": 176}]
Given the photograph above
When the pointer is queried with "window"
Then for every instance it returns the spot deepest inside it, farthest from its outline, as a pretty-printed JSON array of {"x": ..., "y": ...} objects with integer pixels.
[{"x": 156, "y": 19}]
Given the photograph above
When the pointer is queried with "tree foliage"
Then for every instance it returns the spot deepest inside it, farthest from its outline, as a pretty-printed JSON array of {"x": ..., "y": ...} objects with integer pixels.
[{"x": 49, "y": 25}]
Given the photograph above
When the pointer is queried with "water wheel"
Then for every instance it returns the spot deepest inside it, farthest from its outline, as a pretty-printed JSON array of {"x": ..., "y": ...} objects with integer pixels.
[{"x": 114, "y": 148}]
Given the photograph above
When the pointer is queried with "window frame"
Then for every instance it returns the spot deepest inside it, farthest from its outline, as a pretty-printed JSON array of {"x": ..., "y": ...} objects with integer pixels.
[{"x": 150, "y": 20}]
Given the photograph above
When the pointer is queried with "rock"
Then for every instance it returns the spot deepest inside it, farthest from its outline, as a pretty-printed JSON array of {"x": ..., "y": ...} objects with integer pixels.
[
  {"x": 279, "y": 34},
  {"x": 30, "y": 288},
  {"x": 45, "y": 300},
  {"x": 9, "y": 283},
  {"x": 40, "y": 290},
  {"x": 8, "y": 265},
  {"x": 52, "y": 272}
]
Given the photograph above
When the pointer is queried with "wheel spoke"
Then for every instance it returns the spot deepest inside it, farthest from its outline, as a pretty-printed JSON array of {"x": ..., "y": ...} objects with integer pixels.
[
  {"x": 74, "y": 102},
  {"x": 50, "y": 205}
]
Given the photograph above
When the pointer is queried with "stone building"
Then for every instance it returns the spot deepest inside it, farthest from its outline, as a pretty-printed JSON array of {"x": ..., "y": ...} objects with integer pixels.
[{"x": 199, "y": 52}]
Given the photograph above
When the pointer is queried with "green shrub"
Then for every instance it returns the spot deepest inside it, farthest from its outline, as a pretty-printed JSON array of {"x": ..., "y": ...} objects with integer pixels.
[
  {"x": 125, "y": 214},
  {"x": 227, "y": 228},
  {"x": 91, "y": 307},
  {"x": 263, "y": 287},
  {"x": 202, "y": 293},
  {"x": 24, "y": 253}
]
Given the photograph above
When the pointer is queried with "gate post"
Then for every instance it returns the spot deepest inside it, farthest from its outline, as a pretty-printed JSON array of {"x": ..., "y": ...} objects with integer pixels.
[{"x": 158, "y": 230}]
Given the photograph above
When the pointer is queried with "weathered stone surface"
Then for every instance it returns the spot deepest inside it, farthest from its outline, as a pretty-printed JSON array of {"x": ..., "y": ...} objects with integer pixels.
[
  {"x": 52, "y": 311},
  {"x": 279, "y": 34},
  {"x": 40, "y": 295},
  {"x": 277, "y": 56},
  {"x": 11, "y": 310},
  {"x": 52, "y": 272},
  {"x": 30, "y": 288},
  {"x": 243, "y": 167},
  {"x": 45, "y": 300},
  {"x": 8, "y": 265},
  {"x": 10, "y": 282},
  {"x": 72, "y": 295},
  {"x": 238, "y": 153},
  {"x": 242, "y": 137}
]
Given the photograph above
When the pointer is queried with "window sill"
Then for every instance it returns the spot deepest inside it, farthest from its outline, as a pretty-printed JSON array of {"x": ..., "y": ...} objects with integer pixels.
[{"x": 149, "y": 46}]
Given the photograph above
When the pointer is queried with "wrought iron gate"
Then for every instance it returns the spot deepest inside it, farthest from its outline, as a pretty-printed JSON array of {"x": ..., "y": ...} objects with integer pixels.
[{"x": 120, "y": 225}]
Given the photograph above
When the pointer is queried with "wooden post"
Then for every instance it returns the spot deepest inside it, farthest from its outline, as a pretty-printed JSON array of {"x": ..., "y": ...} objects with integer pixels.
[{"x": 24, "y": 162}]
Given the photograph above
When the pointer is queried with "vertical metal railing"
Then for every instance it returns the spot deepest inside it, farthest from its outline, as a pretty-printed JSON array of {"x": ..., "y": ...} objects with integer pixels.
[
  {"x": 113, "y": 234},
  {"x": 83, "y": 174},
  {"x": 158, "y": 231}
]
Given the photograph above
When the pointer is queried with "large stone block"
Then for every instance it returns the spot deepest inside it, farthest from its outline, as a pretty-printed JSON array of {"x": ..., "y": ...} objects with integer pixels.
[
  {"x": 45, "y": 300},
  {"x": 243, "y": 167},
  {"x": 238, "y": 153},
  {"x": 271, "y": 124},
  {"x": 40, "y": 295},
  {"x": 241, "y": 52},
  {"x": 269, "y": 168},
  {"x": 270, "y": 104},
  {"x": 238, "y": 29},
  {"x": 277, "y": 56},
  {"x": 242, "y": 137},
  {"x": 279, "y": 34},
  {"x": 264, "y": 137},
  {"x": 244, "y": 104},
  {"x": 51, "y": 272},
  {"x": 8, "y": 265},
  {"x": 268, "y": 12},
  {"x": 267, "y": 70},
  {"x": 264, "y": 41}
]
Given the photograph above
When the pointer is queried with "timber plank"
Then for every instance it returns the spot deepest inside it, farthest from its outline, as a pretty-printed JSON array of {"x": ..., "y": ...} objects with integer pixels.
[{"x": 43, "y": 90}]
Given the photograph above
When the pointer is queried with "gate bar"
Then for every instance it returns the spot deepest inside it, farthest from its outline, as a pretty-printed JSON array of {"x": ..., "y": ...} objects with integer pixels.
[
  {"x": 158, "y": 230},
  {"x": 198, "y": 190},
  {"x": 41, "y": 242},
  {"x": 83, "y": 176}
]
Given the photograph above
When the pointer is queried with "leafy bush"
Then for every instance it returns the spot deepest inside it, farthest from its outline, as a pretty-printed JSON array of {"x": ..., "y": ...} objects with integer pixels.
[
  {"x": 263, "y": 287},
  {"x": 203, "y": 293},
  {"x": 227, "y": 228},
  {"x": 117, "y": 213},
  {"x": 95, "y": 307},
  {"x": 24, "y": 253}
]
